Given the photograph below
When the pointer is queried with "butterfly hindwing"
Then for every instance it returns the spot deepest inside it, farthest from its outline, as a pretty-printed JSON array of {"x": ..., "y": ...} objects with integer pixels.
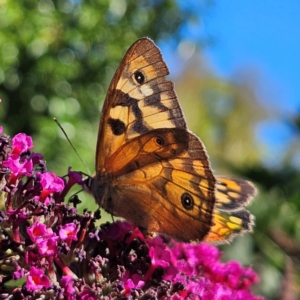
[
  {"x": 229, "y": 215},
  {"x": 173, "y": 194}
]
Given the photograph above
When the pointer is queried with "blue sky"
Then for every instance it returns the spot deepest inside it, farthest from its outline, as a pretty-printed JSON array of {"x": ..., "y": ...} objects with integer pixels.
[{"x": 264, "y": 34}]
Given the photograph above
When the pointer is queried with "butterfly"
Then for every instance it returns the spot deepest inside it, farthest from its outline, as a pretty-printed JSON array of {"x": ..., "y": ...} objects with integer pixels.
[{"x": 151, "y": 170}]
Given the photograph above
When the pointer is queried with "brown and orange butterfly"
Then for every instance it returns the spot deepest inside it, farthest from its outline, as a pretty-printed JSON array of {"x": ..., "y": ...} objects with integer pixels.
[{"x": 150, "y": 169}]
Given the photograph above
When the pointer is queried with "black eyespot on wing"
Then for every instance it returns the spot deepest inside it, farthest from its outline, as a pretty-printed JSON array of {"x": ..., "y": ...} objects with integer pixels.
[
  {"x": 187, "y": 201},
  {"x": 139, "y": 77},
  {"x": 159, "y": 141},
  {"x": 117, "y": 126}
]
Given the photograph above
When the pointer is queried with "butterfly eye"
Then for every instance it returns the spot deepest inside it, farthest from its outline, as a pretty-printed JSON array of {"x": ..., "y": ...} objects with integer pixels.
[
  {"x": 139, "y": 77},
  {"x": 187, "y": 201},
  {"x": 159, "y": 141}
]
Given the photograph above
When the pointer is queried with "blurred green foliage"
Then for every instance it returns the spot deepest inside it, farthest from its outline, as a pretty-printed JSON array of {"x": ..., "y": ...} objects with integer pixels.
[{"x": 57, "y": 59}]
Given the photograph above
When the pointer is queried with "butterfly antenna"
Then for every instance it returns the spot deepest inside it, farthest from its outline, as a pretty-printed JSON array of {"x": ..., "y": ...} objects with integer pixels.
[{"x": 65, "y": 134}]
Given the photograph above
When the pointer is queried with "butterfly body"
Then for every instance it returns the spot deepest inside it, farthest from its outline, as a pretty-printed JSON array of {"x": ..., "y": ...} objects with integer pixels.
[{"x": 150, "y": 169}]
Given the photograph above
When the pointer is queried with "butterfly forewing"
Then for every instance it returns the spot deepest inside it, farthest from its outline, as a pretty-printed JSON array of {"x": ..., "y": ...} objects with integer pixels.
[{"x": 139, "y": 100}]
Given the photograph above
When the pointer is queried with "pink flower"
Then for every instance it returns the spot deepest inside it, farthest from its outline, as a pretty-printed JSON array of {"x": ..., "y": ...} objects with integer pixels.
[
  {"x": 21, "y": 143},
  {"x": 18, "y": 168},
  {"x": 50, "y": 184},
  {"x": 111, "y": 261},
  {"x": 38, "y": 230},
  {"x": 19, "y": 160},
  {"x": 205, "y": 276},
  {"x": 160, "y": 256},
  {"x": 130, "y": 284},
  {"x": 36, "y": 280},
  {"x": 19, "y": 272},
  {"x": 68, "y": 283},
  {"x": 88, "y": 294},
  {"x": 68, "y": 232},
  {"x": 47, "y": 245}
]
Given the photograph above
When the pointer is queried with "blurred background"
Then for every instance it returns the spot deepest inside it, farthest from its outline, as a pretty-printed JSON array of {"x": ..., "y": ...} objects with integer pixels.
[{"x": 236, "y": 69}]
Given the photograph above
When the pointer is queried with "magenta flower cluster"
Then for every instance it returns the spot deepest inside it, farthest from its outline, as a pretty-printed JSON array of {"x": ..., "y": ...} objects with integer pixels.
[{"x": 49, "y": 251}]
